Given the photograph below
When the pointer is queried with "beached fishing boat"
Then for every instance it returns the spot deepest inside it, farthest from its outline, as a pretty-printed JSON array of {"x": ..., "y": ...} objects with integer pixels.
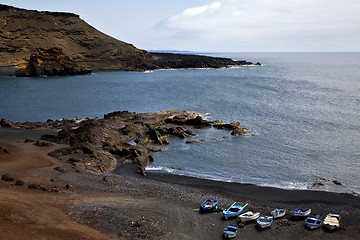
[
  {"x": 249, "y": 216},
  {"x": 300, "y": 212},
  {"x": 313, "y": 222},
  {"x": 233, "y": 210},
  {"x": 264, "y": 221},
  {"x": 278, "y": 213},
  {"x": 230, "y": 231},
  {"x": 332, "y": 222},
  {"x": 208, "y": 205}
]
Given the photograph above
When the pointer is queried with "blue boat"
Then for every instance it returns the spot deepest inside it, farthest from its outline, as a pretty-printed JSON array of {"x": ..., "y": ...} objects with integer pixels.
[
  {"x": 278, "y": 213},
  {"x": 208, "y": 205},
  {"x": 230, "y": 231},
  {"x": 233, "y": 210},
  {"x": 264, "y": 221},
  {"x": 300, "y": 212},
  {"x": 313, "y": 222}
]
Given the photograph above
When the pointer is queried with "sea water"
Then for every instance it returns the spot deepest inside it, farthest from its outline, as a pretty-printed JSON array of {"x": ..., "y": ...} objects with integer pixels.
[{"x": 302, "y": 111}]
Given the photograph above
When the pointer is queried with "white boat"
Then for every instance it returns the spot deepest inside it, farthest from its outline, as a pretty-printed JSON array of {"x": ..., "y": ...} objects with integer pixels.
[
  {"x": 332, "y": 222},
  {"x": 300, "y": 212},
  {"x": 264, "y": 221},
  {"x": 249, "y": 216},
  {"x": 278, "y": 213}
]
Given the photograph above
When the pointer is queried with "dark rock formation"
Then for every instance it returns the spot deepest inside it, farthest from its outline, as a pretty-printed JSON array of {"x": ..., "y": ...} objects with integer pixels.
[
  {"x": 5, "y": 123},
  {"x": 7, "y": 177},
  {"x": 95, "y": 145},
  {"x": 37, "y": 187},
  {"x": 238, "y": 131},
  {"x": 51, "y": 62},
  {"x": 197, "y": 121},
  {"x": 4, "y": 150},
  {"x": 156, "y": 137},
  {"x": 19, "y": 183},
  {"x": 42, "y": 144},
  {"x": 169, "y": 60},
  {"x": 230, "y": 126}
]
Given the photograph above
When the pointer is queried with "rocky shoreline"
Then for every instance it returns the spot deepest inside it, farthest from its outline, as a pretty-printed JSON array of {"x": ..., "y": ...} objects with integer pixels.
[
  {"x": 66, "y": 198},
  {"x": 95, "y": 145}
]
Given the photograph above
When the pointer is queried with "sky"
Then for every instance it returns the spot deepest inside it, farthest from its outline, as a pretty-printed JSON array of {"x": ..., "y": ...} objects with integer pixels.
[{"x": 220, "y": 25}]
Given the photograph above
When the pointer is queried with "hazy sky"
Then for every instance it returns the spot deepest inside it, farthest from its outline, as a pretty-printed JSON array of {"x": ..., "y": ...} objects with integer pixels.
[{"x": 222, "y": 25}]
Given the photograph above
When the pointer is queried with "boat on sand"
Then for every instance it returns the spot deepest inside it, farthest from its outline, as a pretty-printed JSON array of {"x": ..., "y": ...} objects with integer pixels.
[
  {"x": 313, "y": 222},
  {"x": 208, "y": 205},
  {"x": 249, "y": 216},
  {"x": 233, "y": 210},
  {"x": 332, "y": 222},
  {"x": 300, "y": 212},
  {"x": 230, "y": 231},
  {"x": 264, "y": 221},
  {"x": 278, "y": 213}
]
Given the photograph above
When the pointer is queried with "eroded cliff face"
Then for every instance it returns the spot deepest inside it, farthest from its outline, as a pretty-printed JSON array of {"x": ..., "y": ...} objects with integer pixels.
[
  {"x": 23, "y": 31},
  {"x": 51, "y": 62}
]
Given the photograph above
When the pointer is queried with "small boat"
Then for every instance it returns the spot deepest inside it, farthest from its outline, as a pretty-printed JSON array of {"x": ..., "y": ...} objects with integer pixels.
[
  {"x": 264, "y": 221},
  {"x": 278, "y": 213},
  {"x": 233, "y": 210},
  {"x": 332, "y": 222},
  {"x": 208, "y": 205},
  {"x": 230, "y": 231},
  {"x": 313, "y": 222},
  {"x": 300, "y": 212},
  {"x": 249, "y": 216}
]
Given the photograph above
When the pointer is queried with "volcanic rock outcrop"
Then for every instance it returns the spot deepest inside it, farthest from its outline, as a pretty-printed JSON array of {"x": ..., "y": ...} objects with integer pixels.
[
  {"x": 51, "y": 62},
  {"x": 97, "y": 145}
]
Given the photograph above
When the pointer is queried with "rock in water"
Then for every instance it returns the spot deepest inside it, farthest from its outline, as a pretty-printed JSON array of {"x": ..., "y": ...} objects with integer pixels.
[{"x": 51, "y": 62}]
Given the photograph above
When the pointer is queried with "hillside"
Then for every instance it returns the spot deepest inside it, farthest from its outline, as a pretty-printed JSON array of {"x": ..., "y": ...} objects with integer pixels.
[{"x": 23, "y": 31}]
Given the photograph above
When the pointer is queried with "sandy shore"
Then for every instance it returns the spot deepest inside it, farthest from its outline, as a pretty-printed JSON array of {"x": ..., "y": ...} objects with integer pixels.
[{"x": 126, "y": 205}]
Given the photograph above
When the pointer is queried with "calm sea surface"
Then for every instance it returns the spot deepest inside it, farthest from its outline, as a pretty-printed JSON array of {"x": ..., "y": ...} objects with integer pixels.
[{"x": 303, "y": 108}]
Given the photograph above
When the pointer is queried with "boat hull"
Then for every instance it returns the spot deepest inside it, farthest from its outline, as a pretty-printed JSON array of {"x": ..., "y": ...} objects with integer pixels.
[
  {"x": 208, "y": 205},
  {"x": 264, "y": 221},
  {"x": 278, "y": 213},
  {"x": 249, "y": 216},
  {"x": 230, "y": 231},
  {"x": 300, "y": 213},
  {"x": 233, "y": 211},
  {"x": 313, "y": 222},
  {"x": 331, "y": 222}
]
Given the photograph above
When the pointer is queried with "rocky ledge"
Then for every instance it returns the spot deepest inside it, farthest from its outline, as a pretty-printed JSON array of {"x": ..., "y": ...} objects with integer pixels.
[
  {"x": 51, "y": 62},
  {"x": 98, "y": 145}
]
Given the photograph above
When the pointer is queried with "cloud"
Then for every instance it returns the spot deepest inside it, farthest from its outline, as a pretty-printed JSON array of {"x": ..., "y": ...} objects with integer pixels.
[{"x": 273, "y": 24}]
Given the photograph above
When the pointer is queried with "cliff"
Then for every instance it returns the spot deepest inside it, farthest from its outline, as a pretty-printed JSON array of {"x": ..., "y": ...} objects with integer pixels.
[{"x": 23, "y": 31}]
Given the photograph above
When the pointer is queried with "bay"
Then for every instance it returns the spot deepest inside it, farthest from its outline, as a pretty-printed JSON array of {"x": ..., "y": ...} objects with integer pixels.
[{"x": 302, "y": 108}]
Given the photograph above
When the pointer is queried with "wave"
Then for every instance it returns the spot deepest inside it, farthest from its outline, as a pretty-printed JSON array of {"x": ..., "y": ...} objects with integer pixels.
[{"x": 286, "y": 185}]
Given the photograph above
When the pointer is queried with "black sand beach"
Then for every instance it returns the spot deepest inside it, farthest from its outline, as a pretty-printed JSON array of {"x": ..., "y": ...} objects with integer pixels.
[{"x": 125, "y": 205}]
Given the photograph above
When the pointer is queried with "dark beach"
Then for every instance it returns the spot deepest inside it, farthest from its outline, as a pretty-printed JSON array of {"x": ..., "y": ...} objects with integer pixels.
[{"x": 123, "y": 204}]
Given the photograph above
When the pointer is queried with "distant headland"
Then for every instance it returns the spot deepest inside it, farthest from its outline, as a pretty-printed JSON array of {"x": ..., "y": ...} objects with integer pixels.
[{"x": 23, "y": 32}]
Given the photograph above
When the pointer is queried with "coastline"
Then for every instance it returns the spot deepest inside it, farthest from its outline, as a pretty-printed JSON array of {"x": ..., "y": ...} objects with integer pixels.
[{"x": 123, "y": 204}]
